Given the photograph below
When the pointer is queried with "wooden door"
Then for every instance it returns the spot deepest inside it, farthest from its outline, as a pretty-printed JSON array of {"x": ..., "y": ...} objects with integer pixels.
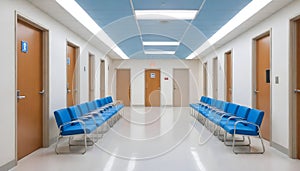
[
  {"x": 91, "y": 77},
  {"x": 71, "y": 75},
  {"x": 102, "y": 78},
  {"x": 205, "y": 79},
  {"x": 181, "y": 87},
  {"x": 29, "y": 87},
  {"x": 263, "y": 82},
  {"x": 123, "y": 86},
  {"x": 152, "y": 87},
  {"x": 298, "y": 86},
  {"x": 228, "y": 57},
  {"x": 215, "y": 78}
]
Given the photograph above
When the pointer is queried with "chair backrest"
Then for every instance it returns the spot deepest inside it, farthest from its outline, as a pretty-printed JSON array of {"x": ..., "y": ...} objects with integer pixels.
[
  {"x": 218, "y": 104},
  {"x": 255, "y": 116},
  {"x": 109, "y": 99},
  {"x": 62, "y": 116},
  {"x": 213, "y": 102},
  {"x": 242, "y": 112},
  {"x": 101, "y": 102},
  {"x": 232, "y": 108},
  {"x": 74, "y": 112},
  {"x": 224, "y": 106},
  {"x": 91, "y": 106},
  {"x": 202, "y": 99},
  {"x": 96, "y": 103},
  {"x": 209, "y": 101},
  {"x": 83, "y": 108}
]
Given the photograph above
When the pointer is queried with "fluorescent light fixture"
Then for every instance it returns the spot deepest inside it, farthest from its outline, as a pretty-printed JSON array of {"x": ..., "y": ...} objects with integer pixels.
[
  {"x": 80, "y": 14},
  {"x": 247, "y": 12},
  {"x": 159, "y": 52},
  {"x": 161, "y": 43},
  {"x": 166, "y": 14}
]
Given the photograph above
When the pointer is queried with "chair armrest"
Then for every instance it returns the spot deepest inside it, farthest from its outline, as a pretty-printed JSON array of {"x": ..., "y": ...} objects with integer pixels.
[
  {"x": 246, "y": 122},
  {"x": 220, "y": 112},
  {"x": 234, "y": 117},
  {"x": 71, "y": 122},
  {"x": 226, "y": 114}
]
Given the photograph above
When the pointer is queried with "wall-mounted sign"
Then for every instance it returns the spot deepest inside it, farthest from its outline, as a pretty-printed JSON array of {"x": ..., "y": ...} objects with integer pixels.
[
  {"x": 166, "y": 78},
  {"x": 152, "y": 75},
  {"x": 68, "y": 61},
  {"x": 24, "y": 46}
]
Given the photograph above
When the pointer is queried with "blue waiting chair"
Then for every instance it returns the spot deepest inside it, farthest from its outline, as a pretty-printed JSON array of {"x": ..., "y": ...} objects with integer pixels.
[
  {"x": 68, "y": 127},
  {"x": 248, "y": 127}
]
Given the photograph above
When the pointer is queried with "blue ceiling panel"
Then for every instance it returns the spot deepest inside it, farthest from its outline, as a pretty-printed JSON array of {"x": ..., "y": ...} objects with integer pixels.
[
  {"x": 216, "y": 13},
  {"x": 173, "y": 29},
  {"x": 183, "y": 51},
  {"x": 193, "y": 38},
  {"x": 167, "y": 4},
  {"x": 116, "y": 18},
  {"x": 153, "y": 37},
  {"x": 129, "y": 29},
  {"x": 131, "y": 45}
]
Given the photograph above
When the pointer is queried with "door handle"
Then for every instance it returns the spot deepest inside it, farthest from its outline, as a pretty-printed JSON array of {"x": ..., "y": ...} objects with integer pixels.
[
  {"x": 42, "y": 92},
  {"x": 68, "y": 91},
  {"x": 296, "y": 91},
  {"x": 19, "y": 97},
  {"x": 256, "y": 91}
]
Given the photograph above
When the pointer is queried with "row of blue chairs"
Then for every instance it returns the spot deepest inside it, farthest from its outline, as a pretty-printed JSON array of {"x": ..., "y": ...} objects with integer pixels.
[
  {"x": 88, "y": 118},
  {"x": 232, "y": 118}
]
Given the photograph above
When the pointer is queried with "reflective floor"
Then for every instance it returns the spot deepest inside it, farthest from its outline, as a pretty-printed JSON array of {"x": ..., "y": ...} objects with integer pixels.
[{"x": 153, "y": 139}]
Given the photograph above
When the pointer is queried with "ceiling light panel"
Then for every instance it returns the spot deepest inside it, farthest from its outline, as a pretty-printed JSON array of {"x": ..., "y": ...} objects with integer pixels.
[
  {"x": 152, "y": 52},
  {"x": 165, "y": 14},
  {"x": 161, "y": 43}
]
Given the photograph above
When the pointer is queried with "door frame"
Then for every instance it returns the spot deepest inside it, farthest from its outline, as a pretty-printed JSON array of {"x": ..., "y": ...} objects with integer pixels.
[
  {"x": 254, "y": 81},
  {"x": 225, "y": 71},
  {"x": 91, "y": 76},
  {"x": 116, "y": 79},
  {"x": 215, "y": 81},
  {"x": 145, "y": 93},
  {"x": 46, "y": 81},
  {"x": 77, "y": 71},
  {"x": 188, "y": 95},
  {"x": 102, "y": 78},
  {"x": 205, "y": 78},
  {"x": 292, "y": 96}
]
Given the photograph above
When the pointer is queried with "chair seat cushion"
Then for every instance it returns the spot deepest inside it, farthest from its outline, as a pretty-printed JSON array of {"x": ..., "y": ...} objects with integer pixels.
[
  {"x": 77, "y": 129},
  {"x": 241, "y": 129}
]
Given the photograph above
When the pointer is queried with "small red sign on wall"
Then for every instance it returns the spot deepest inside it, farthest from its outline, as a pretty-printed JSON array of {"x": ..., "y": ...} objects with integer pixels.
[{"x": 166, "y": 78}]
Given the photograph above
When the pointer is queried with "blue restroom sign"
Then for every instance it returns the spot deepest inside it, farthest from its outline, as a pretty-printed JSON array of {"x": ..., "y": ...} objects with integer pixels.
[{"x": 24, "y": 46}]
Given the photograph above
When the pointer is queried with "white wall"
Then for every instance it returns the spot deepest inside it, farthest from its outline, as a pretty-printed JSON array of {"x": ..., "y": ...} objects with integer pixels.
[
  {"x": 166, "y": 66},
  {"x": 58, "y": 36},
  {"x": 241, "y": 47}
]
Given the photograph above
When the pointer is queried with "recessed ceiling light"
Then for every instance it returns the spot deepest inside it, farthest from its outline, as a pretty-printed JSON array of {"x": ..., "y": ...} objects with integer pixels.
[
  {"x": 165, "y": 14},
  {"x": 161, "y": 43},
  {"x": 160, "y": 52}
]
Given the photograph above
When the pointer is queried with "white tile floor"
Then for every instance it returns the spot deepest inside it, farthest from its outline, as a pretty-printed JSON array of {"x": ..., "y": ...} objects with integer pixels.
[{"x": 158, "y": 139}]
